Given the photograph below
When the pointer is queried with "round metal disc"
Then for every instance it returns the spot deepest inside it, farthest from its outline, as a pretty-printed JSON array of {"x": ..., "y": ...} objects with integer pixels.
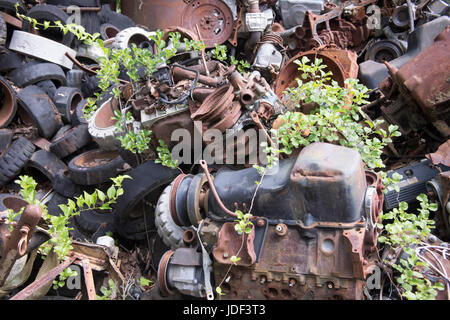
[{"x": 213, "y": 18}]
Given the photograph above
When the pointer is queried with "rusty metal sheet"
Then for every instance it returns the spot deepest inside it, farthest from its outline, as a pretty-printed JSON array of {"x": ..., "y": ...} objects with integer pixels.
[
  {"x": 342, "y": 63},
  {"x": 426, "y": 78},
  {"x": 230, "y": 243},
  {"x": 442, "y": 155},
  {"x": 155, "y": 14}
]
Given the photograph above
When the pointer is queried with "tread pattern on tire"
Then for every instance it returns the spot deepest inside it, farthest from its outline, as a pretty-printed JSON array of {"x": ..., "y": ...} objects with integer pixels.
[
  {"x": 14, "y": 159},
  {"x": 170, "y": 233},
  {"x": 70, "y": 141}
]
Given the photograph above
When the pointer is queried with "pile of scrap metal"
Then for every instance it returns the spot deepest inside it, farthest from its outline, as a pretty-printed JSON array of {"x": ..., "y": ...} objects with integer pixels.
[{"x": 313, "y": 230}]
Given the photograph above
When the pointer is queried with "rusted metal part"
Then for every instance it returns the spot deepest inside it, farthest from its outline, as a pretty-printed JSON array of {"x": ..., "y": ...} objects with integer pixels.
[
  {"x": 213, "y": 18},
  {"x": 162, "y": 129},
  {"x": 86, "y": 69},
  {"x": 89, "y": 279},
  {"x": 237, "y": 80},
  {"x": 90, "y": 257},
  {"x": 173, "y": 203},
  {"x": 84, "y": 9},
  {"x": 427, "y": 84},
  {"x": 8, "y": 103},
  {"x": 16, "y": 244},
  {"x": 48, "y": 277},
  {"x": 218, "y": 111},
  {"x": 237, "y": 25},
  {"x": 342, "y": 63},
  {"x": 281, "y": 229},
  {"x": 200, "y": 94},
  {"x": 331, "y": 28},
  {"x": 213, "y": 189},
  {"x": 162, "y": 273},
  {"x": 179, "y": 74},
  {"x": 189, "y": 237},
  {"x": 155, "y": 14},
  {"x": 309, "y": 264},
  {"x": 442, "y": 155},
  {"x": 185, "y": 33},
  {"x": 230, "y": 243},
  {"x": 255, "y": 118},
  {"x": 80, "y": 65},
  {"x": 12, "y": 20}
]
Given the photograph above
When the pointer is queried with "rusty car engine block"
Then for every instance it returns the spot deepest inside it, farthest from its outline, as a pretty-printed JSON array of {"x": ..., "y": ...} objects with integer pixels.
[{"x": 313, "y": 229}]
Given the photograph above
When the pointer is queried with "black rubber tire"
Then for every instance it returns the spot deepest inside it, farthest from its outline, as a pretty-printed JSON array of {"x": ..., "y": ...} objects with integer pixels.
[
  {"x": 108, "y": 31},
  {"x": 9, "y": 6},
  {"x": 90, "y": 221},
  {"x": 52, "y": 13},
  {"x": 79, "y": 3},
  {"x": 36, "y": 106},
  {"x": 11, "y": 201},
  {"x": 48, "y": 87},
  {"x": 13, "y": 159},
  {"x": 56, "y": 171},
  {"x": 89, "y": 85},
  {"x": 118, "y": 20},
  {"x": 91, "y": 22},
  {"x": 78, "y": 117},
  {"x": 148, "y": 179},
  {"x": 129, "y": 157},
  {"x": 53, "y": 204},
  {"x": 70, "y": 141},
  {"x": 66, "y": 100},
  {"x": 5, "y": 139},
  {"x": 75, "y": 78},
  {"x": 10, "y": 61},
  {"x": 99, "y": 172},
  {"x": 3, "y": 31},
  {"x": 32, "y": 73},
  {"x": 61, "y": 131},
  {"x": 8, "y": 103}
]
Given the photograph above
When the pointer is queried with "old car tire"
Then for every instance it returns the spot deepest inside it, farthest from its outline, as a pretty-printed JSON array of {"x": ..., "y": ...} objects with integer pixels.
[
  {"x": 3, "y": 31},
  {"x": 9, "y": 6},
  {"x": 134, "y": 35},
  {"x": 61, "y": 131},
  {"x": 90, "y": 221},
  {"x": 13, "y": 159},
  {"x": 52, "y": 13},
  {"x": 32, "y": 73},
  {"x": 168, "y": 230},
  {"x": 5, "y": 139},
  {"x": 38, "y": 108},
  {"x": 118, "y": 20},
  {"x": 48, "y": 87},
  {"x": 102, "y": 128},
  {"x": 78, "y": 116},
  {"x": 70, "y": 141},
  {"x": 66, "y": 100},
  {"x": 148, "y": 180},
  {"x": 95, "y": 167},
  {"x": 8, "y": 103},
  {"x": 54, "y": 202},
  {"x": 108, "y": 31},
  {"x": 55, "y": 170},
  {"x": 10, "y": 61}
]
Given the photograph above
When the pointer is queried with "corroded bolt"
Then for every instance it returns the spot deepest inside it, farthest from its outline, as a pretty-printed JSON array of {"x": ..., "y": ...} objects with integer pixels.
[
  {"x": 281, "y": 229},
  {"x": 330, "y": 285},
  {"x": 260, "y": 222}
]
